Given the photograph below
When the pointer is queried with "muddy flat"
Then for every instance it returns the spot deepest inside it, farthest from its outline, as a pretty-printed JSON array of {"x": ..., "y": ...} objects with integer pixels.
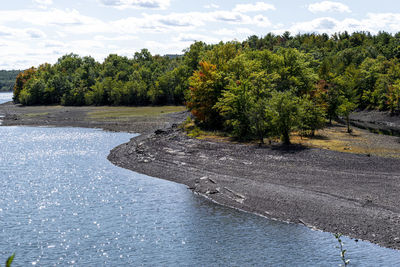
[{"x": 126, "y": 119}]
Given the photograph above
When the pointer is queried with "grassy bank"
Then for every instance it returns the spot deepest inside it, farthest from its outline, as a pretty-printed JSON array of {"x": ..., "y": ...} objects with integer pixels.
[{"x": 125, "y": 113}]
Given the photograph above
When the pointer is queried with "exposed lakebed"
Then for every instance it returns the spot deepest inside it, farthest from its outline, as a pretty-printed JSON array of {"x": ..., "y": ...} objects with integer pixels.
[{"x": 63, "y": 203}]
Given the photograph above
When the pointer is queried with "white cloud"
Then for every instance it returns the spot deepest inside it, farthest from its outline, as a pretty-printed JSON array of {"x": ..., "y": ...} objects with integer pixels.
[
  {"x": 116, "y": 38},
  {"x": 63, "y": 21},
  {"x": 382, "y": 21},
  {"x": 86, "y": 44},
  {"x": 261, "y": 21},
  {"x": 6, "y": 32},
  {"x": 156, "y": 23},
  {"x": 173, "y": 47},
  {"x": 176, "y": 19},
  {"x": 20, "y": 34},
  {"x": 67, "y": 22},
  {"x": 319, "y": 25},
  {"x": 32, "y": 36},
  {"x": 228, "y": 16},
  {"x": 136, "y": 4},
  {"x": 245, "y": 31},
  {"x": 21, "y": 55},
  {"x": 189, "y": 38},
  {"x": 234, "y": 33},
  {"x": 225, "y": 32},
  {"x": 46, "y": 17},
  {"x": 328, "y": 6},
  {"x": 35, "y": 33},
  {"x": 183, "y": 22},
  {"x": 43, "y": 2},
  {"x": 257, "y": 7},
  {"x": 51, "y": 44},
  {"x": 209, "y": 6},
  {"x": 373, "y": 22}
]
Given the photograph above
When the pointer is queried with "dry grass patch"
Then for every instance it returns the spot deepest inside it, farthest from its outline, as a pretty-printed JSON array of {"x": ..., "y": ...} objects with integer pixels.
[
  {"x": 358, "y": 142},
  {"x": 124, "y": 113},
  {"x": 334, "y": 138}
]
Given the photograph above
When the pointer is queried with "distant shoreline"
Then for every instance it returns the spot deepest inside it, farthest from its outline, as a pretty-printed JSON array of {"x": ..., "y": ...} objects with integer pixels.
[{"x": 356, "y": 195}]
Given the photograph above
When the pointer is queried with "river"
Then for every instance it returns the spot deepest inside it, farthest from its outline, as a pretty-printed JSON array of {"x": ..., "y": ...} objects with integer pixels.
[
  {"x": 5, "y": 97},
  {"x": 63, "y": 203}
]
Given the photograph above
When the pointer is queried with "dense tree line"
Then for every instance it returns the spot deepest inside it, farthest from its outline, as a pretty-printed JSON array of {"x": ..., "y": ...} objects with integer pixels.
[
  {"x": 264, "y": 86},
  {"x": 7, "y": 79},
  {"x": 73, "y": 80},
  {"x": 277, "y": 84}
]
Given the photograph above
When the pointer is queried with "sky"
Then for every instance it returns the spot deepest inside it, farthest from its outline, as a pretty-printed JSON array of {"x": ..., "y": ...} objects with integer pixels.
[{"x": 36, "y": 31}]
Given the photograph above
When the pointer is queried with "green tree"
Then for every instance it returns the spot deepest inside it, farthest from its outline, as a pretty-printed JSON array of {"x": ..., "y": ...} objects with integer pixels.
[
  {"x": 243, "y": 103},
  {"x": 7, "y": 79},
  {"x": 284, "y": 110},
  {"x": 234, "y": 106},
  {"x": 97, "y": 95},
  {"x": 193, "y": 56},
  {"x": 312, "y": 116},
  {"x": 262, "y": 86},
  {"x": 393, "y": 97},
  {"x": 222, "y": 53},
  {"x": 33, "y": 92},
  {"x": 68, "y": 64},
  {"x": 74, "y": 97},
  {"x": 295, "y": 72},
  {"x": 345, "y": 109},
  {"x": 116, "y": 67}
]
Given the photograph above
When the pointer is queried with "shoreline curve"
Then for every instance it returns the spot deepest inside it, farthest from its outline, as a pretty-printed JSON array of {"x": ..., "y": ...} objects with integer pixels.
[{"x": 326, "y": 190}]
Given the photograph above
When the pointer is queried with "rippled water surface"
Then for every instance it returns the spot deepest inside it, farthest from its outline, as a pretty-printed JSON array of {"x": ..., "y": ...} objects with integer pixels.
[
  {"x": 5, "y": 97},
  {"x": 63, "y": 203}
]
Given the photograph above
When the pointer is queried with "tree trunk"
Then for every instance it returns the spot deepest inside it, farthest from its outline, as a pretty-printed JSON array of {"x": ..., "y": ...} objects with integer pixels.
[
  {"x": 348, "y": 124},
  {"x": 261, "y": 141},
  {"x": 286, "y": 138}
]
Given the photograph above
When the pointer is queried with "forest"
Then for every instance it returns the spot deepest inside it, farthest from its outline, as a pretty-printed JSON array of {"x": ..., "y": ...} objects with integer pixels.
[
  {"x": 261, "y": 87},
  {"x": 7, "y": 79}
]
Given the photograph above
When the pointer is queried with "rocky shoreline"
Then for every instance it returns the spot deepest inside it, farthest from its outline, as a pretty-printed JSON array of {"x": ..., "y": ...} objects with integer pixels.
[
  {"x": 356, "y": 195},
  {"x": 377, "y": 121}
]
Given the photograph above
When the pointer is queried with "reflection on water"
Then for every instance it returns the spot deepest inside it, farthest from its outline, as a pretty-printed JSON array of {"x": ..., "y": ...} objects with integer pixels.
[{"x": 63, "y": 203}]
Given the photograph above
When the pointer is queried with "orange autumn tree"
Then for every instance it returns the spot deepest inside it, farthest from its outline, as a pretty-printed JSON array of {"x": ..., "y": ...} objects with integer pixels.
[
  {"x": 206, "y": 85},
  {"x": 22, "y": 79}
]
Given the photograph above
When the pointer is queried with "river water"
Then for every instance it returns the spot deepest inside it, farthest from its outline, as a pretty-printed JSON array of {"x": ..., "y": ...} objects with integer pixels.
[
  {"x": 5, "y": 97},
  {"x": 63, "y": 203}
]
